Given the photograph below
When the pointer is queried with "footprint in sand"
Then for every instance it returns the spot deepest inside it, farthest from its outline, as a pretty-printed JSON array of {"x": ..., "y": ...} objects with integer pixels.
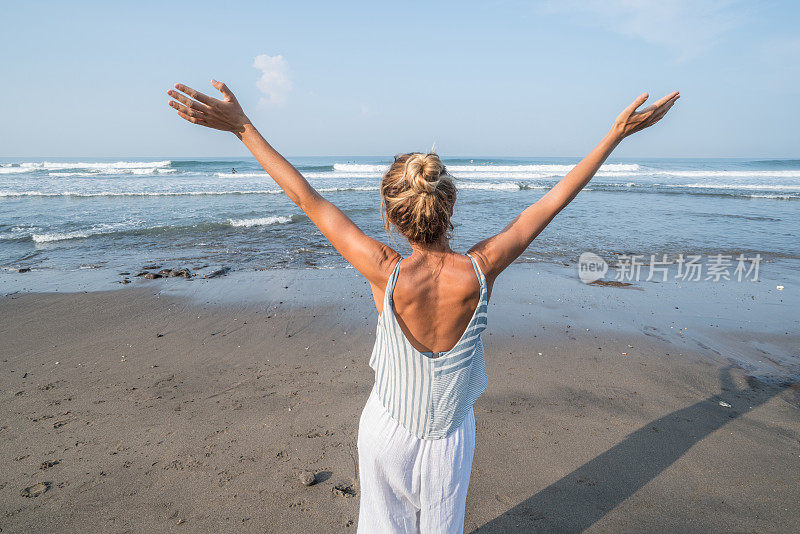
[
  {"x": 35, "y": 490},
  {"x": 345, "y": 489}
]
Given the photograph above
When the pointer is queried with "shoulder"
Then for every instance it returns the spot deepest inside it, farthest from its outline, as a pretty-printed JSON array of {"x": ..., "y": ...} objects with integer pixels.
[
  {"x": 481, "y": 260},
  {"x": 386, "y": 263},
  {"x": 483, "y": 263}
]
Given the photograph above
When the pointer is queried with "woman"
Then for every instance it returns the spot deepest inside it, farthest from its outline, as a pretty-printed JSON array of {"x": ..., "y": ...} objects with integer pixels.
[{"x": 416, "y": 435}]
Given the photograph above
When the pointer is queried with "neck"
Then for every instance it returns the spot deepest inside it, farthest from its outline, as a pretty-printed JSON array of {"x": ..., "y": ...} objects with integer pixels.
[{"x": 438, "y": 248}]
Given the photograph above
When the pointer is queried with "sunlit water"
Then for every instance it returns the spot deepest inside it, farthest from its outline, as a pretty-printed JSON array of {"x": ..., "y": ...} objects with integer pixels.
[{"x": 70, "y": 214}]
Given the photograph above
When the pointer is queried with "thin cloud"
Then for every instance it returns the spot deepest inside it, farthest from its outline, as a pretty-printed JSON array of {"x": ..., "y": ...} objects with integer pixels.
[
  {"x": 687, "y": 28},
  {"x": 275, "y": 82}
]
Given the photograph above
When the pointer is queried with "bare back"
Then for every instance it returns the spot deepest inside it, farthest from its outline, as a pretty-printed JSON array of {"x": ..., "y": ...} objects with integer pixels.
[{"x": 434, "y": 300}]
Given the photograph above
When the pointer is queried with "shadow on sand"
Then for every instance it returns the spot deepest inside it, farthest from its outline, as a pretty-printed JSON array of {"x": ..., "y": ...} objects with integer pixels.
[{"x": 584, "y": 496}]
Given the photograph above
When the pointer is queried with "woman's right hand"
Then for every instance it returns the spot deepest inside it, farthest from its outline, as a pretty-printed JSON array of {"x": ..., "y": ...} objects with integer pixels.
[
  {"x": 226, "y": 114},
  {"x": 631, "y": 121}
]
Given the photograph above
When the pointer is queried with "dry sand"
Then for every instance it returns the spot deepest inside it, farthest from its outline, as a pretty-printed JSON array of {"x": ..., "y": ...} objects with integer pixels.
[{"x": 166, "y": 408}]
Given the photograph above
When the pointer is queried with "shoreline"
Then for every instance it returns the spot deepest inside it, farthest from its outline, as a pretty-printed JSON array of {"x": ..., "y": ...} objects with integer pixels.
[
  {"x": 169, "y": 405},
  {"x": 750, "y": 324}
]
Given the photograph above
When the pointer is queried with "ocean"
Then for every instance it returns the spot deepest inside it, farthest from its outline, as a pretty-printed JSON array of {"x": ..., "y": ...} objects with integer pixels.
[{"x": 70, "y": 215}]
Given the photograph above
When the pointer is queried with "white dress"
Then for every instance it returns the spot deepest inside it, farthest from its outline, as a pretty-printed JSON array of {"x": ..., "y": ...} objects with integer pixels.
[
  {"x": 416, "y": 436},
  {"x": 410, "y": 484}
]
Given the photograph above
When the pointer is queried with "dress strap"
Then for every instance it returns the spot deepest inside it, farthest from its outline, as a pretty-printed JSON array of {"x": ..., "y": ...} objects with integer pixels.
[
  {"x": 392, "y": 281},
  {"x": 478, "y": 273}
]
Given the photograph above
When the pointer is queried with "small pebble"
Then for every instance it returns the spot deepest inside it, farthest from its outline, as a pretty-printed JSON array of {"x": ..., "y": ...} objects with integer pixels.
[{"x": 307, "y": 478}]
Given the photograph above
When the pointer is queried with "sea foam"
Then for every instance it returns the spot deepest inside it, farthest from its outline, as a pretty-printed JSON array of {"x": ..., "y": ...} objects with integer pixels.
[
  {"x": 89, "y": 168},
  {"x": 260, "y": 221}
]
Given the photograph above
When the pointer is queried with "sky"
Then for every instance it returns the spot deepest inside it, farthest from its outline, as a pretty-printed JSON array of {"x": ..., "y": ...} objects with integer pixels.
[{"x": 504, "y": 78}]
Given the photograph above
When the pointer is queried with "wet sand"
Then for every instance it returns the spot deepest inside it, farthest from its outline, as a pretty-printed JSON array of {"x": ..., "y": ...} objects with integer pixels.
[{"x": 172, "y": 405}]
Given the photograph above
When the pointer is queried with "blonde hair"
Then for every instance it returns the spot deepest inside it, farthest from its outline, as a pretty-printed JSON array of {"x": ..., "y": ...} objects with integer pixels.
[{"x": 418, "y": 197}]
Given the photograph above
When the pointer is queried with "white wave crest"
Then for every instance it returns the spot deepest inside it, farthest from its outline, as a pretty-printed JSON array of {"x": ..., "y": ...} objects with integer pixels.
[
  {"x": 111, "y": 228},
  {"x": 498, "y": 171},
  {"x": 776, "y": 197},
  {"x": 490, "y": 168},
  {"x": 13, "y": 170},
  {"x": 360, "y": 168},
  {"x": 755, "y": 187},
  {"x": 355, "y": 188},
  {"x": 261, "y": 221},
  {"x": 80, "y": 234},
  {"x": 88, "y": 174},
  {"x": 47, "y": 238},
  {"x": 172, "y": 193},
  {"x": 336, "y": 175},
  {"x": 71, "y": 174},
  {"x": 152, "y": 171},
  {"x": 498, "y": 186},
  {"x": 136, "y": 193},
  {"x": 53, "y": 166},
  {"x": 543, "y": 168},
  {"x": 310, "y": 174},
  {"x": 242, "y": 175},
  {"x": 119, "y": 167},
  {"x": 733, "y": 174}
]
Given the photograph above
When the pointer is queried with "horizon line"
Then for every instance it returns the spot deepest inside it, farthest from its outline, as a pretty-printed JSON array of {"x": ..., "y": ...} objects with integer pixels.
[{"x": 240, "y": 157}]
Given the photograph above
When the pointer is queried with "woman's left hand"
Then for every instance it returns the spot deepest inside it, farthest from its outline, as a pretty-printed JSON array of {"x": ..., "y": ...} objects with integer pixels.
[
  {"x": 226, "y": 114},
  {"x": 631, "y": 121}
]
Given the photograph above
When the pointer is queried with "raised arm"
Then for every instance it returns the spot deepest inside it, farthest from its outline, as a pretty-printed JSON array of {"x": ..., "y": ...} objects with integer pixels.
[
  {"x": 369, "y": 256},
  {"x": 499, "y": 251}
]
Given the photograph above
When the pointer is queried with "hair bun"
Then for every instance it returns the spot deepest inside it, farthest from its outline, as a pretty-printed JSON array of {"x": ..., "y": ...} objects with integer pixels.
[
  {"x": 423, "y": 172},
  {"x": 418, "y": 196}
]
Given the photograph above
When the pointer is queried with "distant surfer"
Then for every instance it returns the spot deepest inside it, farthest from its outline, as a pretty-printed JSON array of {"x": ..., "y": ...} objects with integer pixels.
[{"x": 233, "y": 171}]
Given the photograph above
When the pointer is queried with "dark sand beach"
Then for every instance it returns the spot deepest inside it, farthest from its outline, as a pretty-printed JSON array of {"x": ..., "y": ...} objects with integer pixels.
[{"x": 171, "y": 405}]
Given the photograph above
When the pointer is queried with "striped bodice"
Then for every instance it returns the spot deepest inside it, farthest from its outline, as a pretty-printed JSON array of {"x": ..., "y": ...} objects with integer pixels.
[{"x": 429, "y": 394}]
